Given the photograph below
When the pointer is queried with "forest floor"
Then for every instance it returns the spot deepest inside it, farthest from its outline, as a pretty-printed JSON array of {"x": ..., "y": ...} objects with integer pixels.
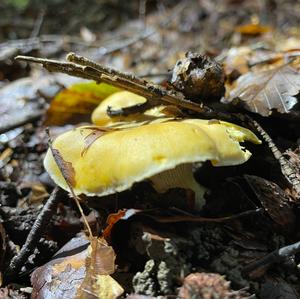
[{"x": 246, "y": 234}]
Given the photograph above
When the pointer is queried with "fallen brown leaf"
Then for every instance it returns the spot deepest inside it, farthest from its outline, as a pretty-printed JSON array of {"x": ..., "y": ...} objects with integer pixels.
[
  {"x": 262, "y": 91},
  {"x": 65, "y": 166},
  {"x": 112, "y": 219},
  {"x": 276, "y": 202},
  {"x": 78, "y": 271},
  {"x": 61, "y": 277},
  {"x": 97, "y": 283}
]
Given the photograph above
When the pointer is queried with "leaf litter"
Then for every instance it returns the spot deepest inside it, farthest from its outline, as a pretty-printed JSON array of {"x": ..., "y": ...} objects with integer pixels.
[
  {"x": 150, "y": 245},
  {"x": 263, "y": 91}
]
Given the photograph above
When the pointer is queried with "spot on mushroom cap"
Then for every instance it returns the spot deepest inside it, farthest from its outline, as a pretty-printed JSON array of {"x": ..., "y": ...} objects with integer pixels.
[{"x": 118, "y": 159}]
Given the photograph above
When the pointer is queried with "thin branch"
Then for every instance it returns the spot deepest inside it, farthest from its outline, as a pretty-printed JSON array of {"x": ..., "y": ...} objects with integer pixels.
[
  {"x": 34, "y": 235},
  {"x": 193, "y": 218},
  {"x": 277, "y": 256},
  {"x": 84, "y": 68},
  {"x": 286, "y": 169}
]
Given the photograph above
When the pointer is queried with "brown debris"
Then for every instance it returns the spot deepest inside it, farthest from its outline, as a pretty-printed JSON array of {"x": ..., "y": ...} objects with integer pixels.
[
  {"x": 250, "y": 220},
  {"x": 199, "y": 78},
  {"x": 277, "y": 204}
]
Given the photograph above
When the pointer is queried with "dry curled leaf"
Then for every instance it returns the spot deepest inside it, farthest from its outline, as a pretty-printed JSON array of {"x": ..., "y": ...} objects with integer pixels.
[
  {"x": 65, "y": 167},
  {"x": 262, "y": 91},
  {"x": 97, "y": 283},
  {"x": 112, "y": 219}
]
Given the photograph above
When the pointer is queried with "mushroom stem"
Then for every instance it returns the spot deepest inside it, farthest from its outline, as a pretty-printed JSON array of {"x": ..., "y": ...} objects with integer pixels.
[{"x": 180, "y": 177}]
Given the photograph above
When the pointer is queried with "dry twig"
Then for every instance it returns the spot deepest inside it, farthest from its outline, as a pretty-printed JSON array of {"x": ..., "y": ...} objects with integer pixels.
[
  {"x": 286, "y": 169},
  {"x": 276, "y": 256},
  {"x": 34, "y": 235},
  {"x": 82, "y": 67}
]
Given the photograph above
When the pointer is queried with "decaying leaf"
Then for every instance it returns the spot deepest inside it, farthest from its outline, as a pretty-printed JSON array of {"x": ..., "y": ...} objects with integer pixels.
[
  {"x": 10, "y": 293},
  {"x": 76, "y": 103},
  {"x": 78, "y": 270},
  {"x": 275, "y": 201},
  {"x": 65, "y": 166},
  {"x": 112, "y": 219},
  {"x": 97, "y": 283},
  {"x": 61, "y": 277},
  {"x": 104, "y": 286},
  {"x": 262, "y": 91}
]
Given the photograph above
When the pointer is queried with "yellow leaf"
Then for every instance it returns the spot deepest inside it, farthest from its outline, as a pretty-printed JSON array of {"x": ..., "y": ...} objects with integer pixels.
[
  {"x": 75, "y": 104},
  {"x": 107, "y": 287},
  {"x": 252, "y": 29}
]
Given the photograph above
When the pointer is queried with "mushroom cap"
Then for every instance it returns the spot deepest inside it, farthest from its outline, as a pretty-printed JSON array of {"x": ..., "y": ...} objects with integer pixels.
[
  {"x": 118, "y": 159},
  {"x": 124, "y": 99},
  {"x": 227, "y": 137}
]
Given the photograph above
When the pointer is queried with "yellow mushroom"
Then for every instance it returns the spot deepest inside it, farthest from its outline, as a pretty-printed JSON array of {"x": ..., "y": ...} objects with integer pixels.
[
  {"x": 227, "y": 137},
  {"x": 161, "y": 152},
  {"x": 125, "y": 99}
]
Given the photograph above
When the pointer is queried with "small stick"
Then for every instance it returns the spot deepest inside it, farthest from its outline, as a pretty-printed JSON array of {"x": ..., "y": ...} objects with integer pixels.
[
  {"x": 276, "y": 256},
  {"x": 193, "y": 218},
  {"x": 286, "y": 169},
  {"x": 35, "y": 233}
]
